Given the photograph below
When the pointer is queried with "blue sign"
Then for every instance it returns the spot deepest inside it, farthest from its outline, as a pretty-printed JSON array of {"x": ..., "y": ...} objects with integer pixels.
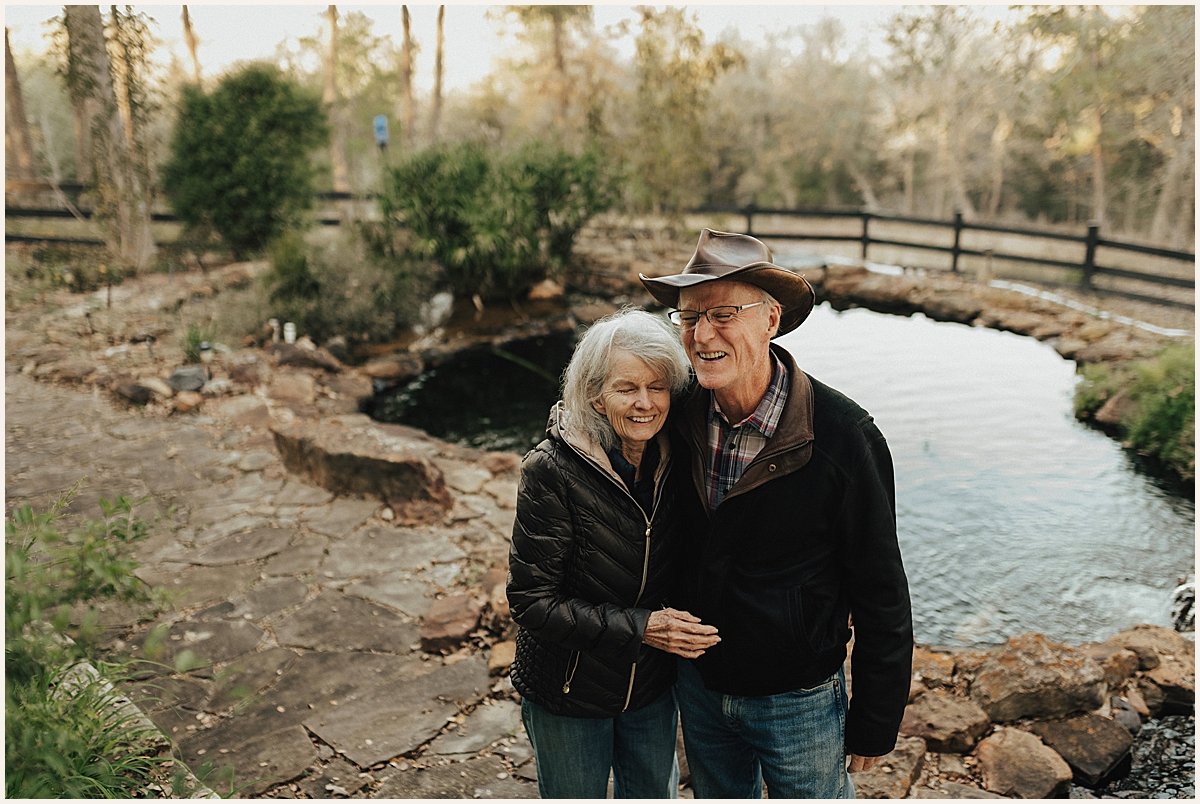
[{"x": 381, "y": 131}]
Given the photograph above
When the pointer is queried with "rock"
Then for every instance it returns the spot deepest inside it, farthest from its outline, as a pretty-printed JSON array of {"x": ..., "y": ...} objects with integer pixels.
[
  {"x": 448, "y": 622},
  {"x": 1016, "y": 764},
  {"x": 1096, "y": 748},
  {"x": 1177, "y": 682},
  {"x": 396, "y": 367},
  {"x": 946, "y": 722},
  {"x": 501, "y": 463},
  {"x": 187, "y": 401},
  {"x": 952, "y": 790},
  {"x": 1152, "y": 696},
  {"x": 481, "y": 777},
  {"x": 246, "y": 372},
  {"x": 1151, "y": 642},
  {"x": 188, "y": 378},
  {"x": 133, "y": 392},
  {"x": 294, "y": 354},
  {"x": 1115, "y": 410},
  {"x": 895, "y": 773},
  {"x": 546, "y": 289},
  {"x": 1123, "y": 712},
  {"x": 932, "y": 668},
  {"x": 293, "y": 386},
  {"x": 487, "y": 725},
  {"x": 501, "y": 657},
  {"x": 160, "y": 388},
  {"x": 1033, "y": 677},
  {"x": 354, "y": 455},
  {"x": 1119, "y": 664}
]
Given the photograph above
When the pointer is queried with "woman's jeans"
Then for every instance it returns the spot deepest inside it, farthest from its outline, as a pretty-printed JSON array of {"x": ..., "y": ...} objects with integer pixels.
[
  {"x": 575, "y": 754},
  {"x": 794, "y": 740}
]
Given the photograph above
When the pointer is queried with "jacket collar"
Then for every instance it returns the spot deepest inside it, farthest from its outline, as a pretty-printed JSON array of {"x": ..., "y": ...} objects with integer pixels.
[
  {"x": 788, "y": 450},
  {"x": 559, "y": 427}
]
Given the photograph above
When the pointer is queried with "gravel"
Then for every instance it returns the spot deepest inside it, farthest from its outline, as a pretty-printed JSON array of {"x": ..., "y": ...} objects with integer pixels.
[{"x": 1164, "y": 762}]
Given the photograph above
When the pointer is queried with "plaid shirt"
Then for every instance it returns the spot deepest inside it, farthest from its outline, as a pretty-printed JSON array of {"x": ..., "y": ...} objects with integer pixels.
[{"x": 731, "y": 447}]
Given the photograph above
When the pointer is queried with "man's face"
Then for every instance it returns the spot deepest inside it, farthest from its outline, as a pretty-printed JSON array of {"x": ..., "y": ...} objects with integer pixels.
[{"x": 729, "y": 357}]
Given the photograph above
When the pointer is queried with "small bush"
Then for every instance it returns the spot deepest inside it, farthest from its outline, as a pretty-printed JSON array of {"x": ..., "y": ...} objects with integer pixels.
[
  {"x": 240, "y": 160},
  {"x": 1160, "y": 409},
  {"x": 352, "y": 286},
  {"x": 497, "y": 224}
]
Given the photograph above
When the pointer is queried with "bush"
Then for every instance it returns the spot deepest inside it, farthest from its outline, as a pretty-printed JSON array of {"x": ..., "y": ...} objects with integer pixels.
[
  {"x": 496, "y": 224},
  {"x": 351, "y": 286},
  {"x": 1159, "y": 416},
  {"x": 66, "y": 734},
  {"x": 240, "y": 156}
]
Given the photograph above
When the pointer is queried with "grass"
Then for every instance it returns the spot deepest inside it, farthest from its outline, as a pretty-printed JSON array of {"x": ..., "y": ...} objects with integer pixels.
[
  {"x": 68, "y": 733},
  {"x": 1155, "y": 404}
]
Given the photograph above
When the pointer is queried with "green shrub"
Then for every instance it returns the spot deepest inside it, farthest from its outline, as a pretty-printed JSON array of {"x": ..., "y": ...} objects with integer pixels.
[
  {"x": 240, "y": 159},
  {"x": 1159, "y": 404},
  {"x": 64, "y": 734},
  {"x": 351, "y": 286},
  {"x": 497, "y": 224}
]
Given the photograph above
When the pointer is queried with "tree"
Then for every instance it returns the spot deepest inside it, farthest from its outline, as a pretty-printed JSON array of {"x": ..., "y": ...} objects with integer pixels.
[
  {"x": 333, "y": 106},
  {"x": 19, "y": 161},
  {"x": 189, "y": 37},
  {"x": 557, "y": 19},
  {"x": 118, "y": 173},
  {"x": 240, "y": 158},
  {"x": 407, "y": 112},
  {"x": 435, "y": 114}
]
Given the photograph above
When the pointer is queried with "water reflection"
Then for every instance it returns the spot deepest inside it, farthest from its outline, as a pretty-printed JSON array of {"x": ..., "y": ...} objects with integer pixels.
[{"x": 1013, "y": 516}]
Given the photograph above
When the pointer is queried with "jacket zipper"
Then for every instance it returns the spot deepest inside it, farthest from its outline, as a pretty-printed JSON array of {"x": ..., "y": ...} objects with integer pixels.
[{"x": 645, "y": 569}]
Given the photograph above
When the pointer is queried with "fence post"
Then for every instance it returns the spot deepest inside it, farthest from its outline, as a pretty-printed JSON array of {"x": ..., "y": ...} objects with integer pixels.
[
  {"x": 749, "y": 213},
  {"x": 954, "y": 251},
  {"x": 1089, "y": 257},
  {"x": 866, "y": 237}
]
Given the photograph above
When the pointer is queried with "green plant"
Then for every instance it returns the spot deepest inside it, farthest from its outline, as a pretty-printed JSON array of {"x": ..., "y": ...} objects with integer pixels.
[
  {"x": 1158, "y": 404},
  {"x": 497, "y": 224},
  {"x": 193, "y": 338},
  {"x": 240, "y": 156},
  {"x": 67, "y": 733}
]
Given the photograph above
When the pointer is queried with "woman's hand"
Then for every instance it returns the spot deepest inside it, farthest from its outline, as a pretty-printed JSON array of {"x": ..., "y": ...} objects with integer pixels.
[{"x": 680, "y": 633}]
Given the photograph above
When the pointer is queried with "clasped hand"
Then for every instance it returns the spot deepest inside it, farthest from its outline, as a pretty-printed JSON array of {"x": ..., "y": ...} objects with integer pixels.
[{"x": 679, "y": 632}]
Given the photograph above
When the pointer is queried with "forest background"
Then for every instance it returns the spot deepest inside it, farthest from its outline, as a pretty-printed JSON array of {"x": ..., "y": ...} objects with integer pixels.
[{"x": 1058, "y": 115}]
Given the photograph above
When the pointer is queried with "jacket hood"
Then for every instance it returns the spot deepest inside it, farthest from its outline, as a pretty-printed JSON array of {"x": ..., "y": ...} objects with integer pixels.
[{"x": 559, "y": 427}]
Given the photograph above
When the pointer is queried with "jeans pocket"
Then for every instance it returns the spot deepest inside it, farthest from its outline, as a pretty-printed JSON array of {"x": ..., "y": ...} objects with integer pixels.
[{"x": 824, "y": 686}]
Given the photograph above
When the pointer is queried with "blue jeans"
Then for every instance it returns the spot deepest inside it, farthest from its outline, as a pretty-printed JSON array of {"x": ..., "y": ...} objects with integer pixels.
[
  {"x": 795, "y": 741},
  {"x": 575, "y": 754}
]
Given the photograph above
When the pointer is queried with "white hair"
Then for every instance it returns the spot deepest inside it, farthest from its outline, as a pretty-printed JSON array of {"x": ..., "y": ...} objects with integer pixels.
[{"x": 647, "y": 337}]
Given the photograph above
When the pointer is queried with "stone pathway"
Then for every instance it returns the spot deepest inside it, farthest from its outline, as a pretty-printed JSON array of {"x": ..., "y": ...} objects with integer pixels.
[{"x": 295, "y": 613}]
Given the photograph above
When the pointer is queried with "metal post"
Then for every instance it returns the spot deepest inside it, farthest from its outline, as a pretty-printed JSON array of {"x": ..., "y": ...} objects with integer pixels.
[
  {"x": 1089, "y": 257},
  {"x": 955, "y": 250},
  {"x": 866, "y": 237}
]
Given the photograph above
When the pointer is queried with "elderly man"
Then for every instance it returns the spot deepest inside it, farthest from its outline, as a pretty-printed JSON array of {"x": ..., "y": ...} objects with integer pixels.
[{"x": 791, "y": 541}]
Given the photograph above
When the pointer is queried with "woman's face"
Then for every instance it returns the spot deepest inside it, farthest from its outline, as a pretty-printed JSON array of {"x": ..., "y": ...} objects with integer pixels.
[{"x": 635, "y": 398}]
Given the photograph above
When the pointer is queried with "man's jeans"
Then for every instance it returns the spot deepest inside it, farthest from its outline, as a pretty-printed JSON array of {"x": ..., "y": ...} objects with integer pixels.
[
  {"x": 574, "y": 754},
  {"x": 794, "y": 740}
]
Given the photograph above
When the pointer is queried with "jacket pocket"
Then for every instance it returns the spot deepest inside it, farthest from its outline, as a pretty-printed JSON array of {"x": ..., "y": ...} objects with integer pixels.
[{"x": 813, "y": 617}]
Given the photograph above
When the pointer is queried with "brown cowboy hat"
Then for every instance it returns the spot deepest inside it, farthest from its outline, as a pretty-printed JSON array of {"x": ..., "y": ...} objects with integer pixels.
[{"x": 724, "y": 255}]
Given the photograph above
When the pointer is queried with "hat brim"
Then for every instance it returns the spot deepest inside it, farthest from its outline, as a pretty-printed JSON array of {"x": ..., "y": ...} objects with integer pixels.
[{"x": 793, "y": 292}]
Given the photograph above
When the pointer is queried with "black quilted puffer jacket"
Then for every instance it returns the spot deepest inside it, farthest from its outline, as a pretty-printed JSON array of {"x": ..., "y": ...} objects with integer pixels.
[{"x": 586, "y": 568}]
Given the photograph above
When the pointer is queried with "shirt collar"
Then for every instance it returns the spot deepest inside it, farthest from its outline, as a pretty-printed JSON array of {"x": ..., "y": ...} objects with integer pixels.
[{"x": 765, "y": 417}]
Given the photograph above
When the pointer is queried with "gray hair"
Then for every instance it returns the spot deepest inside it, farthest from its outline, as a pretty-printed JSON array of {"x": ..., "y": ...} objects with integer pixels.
[{"x": 646, "y": 336}]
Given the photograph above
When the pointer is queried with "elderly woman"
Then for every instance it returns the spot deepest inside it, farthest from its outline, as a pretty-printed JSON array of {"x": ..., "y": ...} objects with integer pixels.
[{"x": 590, "y": 569}]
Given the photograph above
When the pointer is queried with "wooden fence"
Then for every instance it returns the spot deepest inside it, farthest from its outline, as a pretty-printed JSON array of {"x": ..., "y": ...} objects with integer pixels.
[
  {"x": 1088, "y": 261},
  {"x": 1142, "y": 272}
]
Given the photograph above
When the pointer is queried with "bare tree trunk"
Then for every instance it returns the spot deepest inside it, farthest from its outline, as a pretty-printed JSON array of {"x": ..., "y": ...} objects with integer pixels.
[
  {"x": 121, "y": 79},
  {"x": 189, "y": 36},
  {"x": 407, "y": 111},
  {"x": 122, "y": 196},
  {"x": 435, "y": 115},
  {"x": 1000, "y": 135},
  {"x": 864, "y": 186},
  {"x": 910, "y": 178},
  {"x": 1181, "y": 156},
  {"x": 1099, "y": 200},
  {"x": 337, "y": 136},
  {"x": 560, "y": 69},
  {"x": 19, "y": 160}
]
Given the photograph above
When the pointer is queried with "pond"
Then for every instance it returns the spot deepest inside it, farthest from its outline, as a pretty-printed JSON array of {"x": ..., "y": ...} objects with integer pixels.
[{"x": 1013, "y": 516}]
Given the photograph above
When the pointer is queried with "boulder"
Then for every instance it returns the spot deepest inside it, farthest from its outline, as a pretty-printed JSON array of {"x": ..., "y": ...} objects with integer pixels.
[
  {"x": 449, "y": 621},
  {"x": 1126, "y": 714},
  {"x": 1119, "y": 664},
  {"x": 946, "y": 722},
  {"x": 188, "y": 378},
  {"x": 501, "y": 657},
  {"x": 159, "y": 387},
  {"x": 133, "y": 392},
  {"x": 186, "y": 401},
  {"x": 1033, "y": 677},
  {"x": 1016, "y": 764},
  {"x": 1115, "y": 410},
  {"x": 292, "y": 386},
  {"x": 1177, "y": 682},
  {"x": 546, "y": 289},
  {"x": 895, "y": 773},
  {"x": 397, "y": 367},
  {"x": 932, "y": 668},
  {"x": 952, "y": 790},
  {"x": 293, "y": 354},
  {"x": 1152, "y": 642},
  {"x": 1097, "y": 749},
  {"x": 354, "y": 455}
]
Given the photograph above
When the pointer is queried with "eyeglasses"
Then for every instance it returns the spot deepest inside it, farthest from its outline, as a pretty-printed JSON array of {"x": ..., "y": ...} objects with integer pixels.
[{"x": 717, "y": 316}]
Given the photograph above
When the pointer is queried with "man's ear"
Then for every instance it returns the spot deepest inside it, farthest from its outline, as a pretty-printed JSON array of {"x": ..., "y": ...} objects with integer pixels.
[{"x": 774, "y": 318}]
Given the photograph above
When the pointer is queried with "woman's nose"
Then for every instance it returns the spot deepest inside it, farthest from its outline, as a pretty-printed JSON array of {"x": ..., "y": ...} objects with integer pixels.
[{"x": 642, "y": 400}]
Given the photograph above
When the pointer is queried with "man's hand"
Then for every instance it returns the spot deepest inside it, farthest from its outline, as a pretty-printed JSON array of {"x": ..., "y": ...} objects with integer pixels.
[
  {"x": 859, "y": 763},
  {"x": 679, "y": 632}
]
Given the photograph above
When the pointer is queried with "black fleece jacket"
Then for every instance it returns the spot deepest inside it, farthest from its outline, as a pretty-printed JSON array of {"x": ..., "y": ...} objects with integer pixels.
[{"x": 804, "y": 541}]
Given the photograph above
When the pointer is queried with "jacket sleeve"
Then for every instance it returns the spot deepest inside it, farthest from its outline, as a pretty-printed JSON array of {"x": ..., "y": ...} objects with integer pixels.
[
  {"x": 881, "y": 660},
  {"x": 542, "y": 552}
]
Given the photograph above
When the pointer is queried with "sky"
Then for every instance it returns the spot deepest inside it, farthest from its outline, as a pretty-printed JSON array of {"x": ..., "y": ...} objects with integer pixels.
[{"x": 231, "y": 32}]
